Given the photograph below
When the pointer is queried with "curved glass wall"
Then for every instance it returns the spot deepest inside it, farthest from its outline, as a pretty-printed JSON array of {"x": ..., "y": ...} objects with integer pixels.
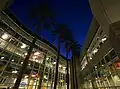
[{"x": 41, "y": 66}]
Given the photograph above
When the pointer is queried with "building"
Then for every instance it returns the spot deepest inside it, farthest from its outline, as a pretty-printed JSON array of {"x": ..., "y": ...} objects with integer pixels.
[
  {"x": 100, "y": 60},
  {"x": 14, "y": 43}
]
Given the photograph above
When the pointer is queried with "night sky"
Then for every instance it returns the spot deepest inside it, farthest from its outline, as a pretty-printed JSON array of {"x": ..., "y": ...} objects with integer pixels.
[{"x": 75, "y": 13}]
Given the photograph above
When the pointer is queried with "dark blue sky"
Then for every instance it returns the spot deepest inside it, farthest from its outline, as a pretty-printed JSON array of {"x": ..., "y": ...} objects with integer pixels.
[{"x": 75, "y": 13}]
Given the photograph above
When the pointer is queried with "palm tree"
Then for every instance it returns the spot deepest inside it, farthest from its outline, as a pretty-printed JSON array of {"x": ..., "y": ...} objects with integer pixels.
[
  {"x": 43, "y": 13},
  {"x": 75, "y": 48},
  {"x": 64, "y": 34},
  {"x": 5, "y": 4}
]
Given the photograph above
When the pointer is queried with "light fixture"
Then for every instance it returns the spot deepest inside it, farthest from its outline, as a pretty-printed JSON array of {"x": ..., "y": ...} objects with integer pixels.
[
  {"x": 47, "y": 58},
  {"x": 33, "y": 75},
  {"x": 36, "y": 60},
  {"x": 2, "y": 57},
  {"x": 103, "y": 39},
  {"x": 29, "y": 64},
  {"x": 12, "y": 60},
  {"x": 90, "y": 58},
  {"x": 25, "y": 54},
  {"x": 21, "y": 62},
  {"x": 54, "y": 62},
  {"x": 23, "y": 46},
  {"x": 14, "y": 71},
  {"x": 95, "y": 50},
  {"x": 102, "y": 65},
  {"x": 61, "y": 81},
  {"x": 36, "y": 53},
  {"x": 5, "y": 36},
  {"x": 26, "y": 76},
  {"x": 60, "y": 65},
  {"x": 45, "y": 77},
  {"x": 34, "y": 57}
]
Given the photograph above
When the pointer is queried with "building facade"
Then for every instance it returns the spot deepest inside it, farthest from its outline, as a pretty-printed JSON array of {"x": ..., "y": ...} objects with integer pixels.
[
  {"x": 100, "y": 60},
  {"x": 14, "y": 43}
]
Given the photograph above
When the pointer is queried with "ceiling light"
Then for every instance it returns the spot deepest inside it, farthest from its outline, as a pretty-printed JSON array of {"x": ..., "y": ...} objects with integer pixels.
[
  {"x": 104, "y": 39},
  {"x": 90, "y": 58},
  {"x": 5, "y": 36},
  {"x": 12, "y": 60},
  {"x": 14, "y": 71},
  {"x": 33, "y": 75},
  {"x": 60, "y": 65},
  {"x": 2, "y": 57},
  {"x": 29, "y": 64},
  {"x": 61, "y": 81},
  {"x": 26, "y": 76},
  {"x": 47, "y": 58},
  {"x": 36, "y": 53},
  {"x": 54, "y": 62},
  {"x": 45, "y": 77},
  {"x": 95, "y": 51},
  {"x": 23, "y": 46},
  {"x": 25, "y": 53},
  {"x": 37, "y": 61},
  {"x": 34, "y": 57},
  {"x": 21, "y": 62}
]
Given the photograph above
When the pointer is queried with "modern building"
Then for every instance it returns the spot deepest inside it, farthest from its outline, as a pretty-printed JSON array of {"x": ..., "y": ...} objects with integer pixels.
[
  {"x": 100, "y": 60},
  {"x": 15, "y": 39}
]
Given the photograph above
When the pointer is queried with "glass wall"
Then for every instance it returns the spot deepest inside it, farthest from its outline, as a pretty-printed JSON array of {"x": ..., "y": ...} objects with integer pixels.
[
  {"x": 105, "y": 74},
  {"x": 41, "y": 66}
]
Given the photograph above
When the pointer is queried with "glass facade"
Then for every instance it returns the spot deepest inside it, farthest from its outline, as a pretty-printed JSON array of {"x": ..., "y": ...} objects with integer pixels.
[
  {"x": 41, "y": 66},
  {"x": 105, "y": 74}
]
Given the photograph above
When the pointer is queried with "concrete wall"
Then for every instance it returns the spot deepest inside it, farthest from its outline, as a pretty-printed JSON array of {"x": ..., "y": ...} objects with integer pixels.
[{"x": 106, "y": 11}]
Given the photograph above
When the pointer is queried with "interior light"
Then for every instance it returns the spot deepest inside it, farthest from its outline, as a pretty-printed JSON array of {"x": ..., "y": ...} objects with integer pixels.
[
  {"x": 36, "y": 53},
  {"x": 25, "y": 53},
  {"x": 102, "y": 65},
  {"x": 26, "y": 76},
  {"x": 33, "y": 75},
  {"x": 54, "y": 62},
  {"x": 90, "y": 58},
  {"x": 21, "y": 62},
  {"x": 60, "y": 65},
  {"x": 95, "y": 51},
  {"x": 47, "y": 58},
  {"x": 5, "y": 36},
  {"x": 29, "y": 64},
  {"x": 61, "y": 81},
  {"x": 23, "y": 46},
  {"x": 34, "y": 57},
  {"x": 2, "y": 57},
  {"x": 37, "y": 61},
  {"x": 14, "y": 71},
  {"x": 64, "y": 67},
  {"x": 12, "y": 60},
  {"x": 45, "y": 77},
  {"x": 104, "y": 39}
]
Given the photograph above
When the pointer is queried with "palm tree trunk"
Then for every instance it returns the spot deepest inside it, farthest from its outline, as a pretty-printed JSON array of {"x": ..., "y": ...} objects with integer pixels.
[
  {"x": 67, "y": 67},
  {"x": 42, "y": 74},
  {"x": 73, "y": 76},
  {"x": 57, "y": 64},
  {"x": 24, "y": 66}
]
